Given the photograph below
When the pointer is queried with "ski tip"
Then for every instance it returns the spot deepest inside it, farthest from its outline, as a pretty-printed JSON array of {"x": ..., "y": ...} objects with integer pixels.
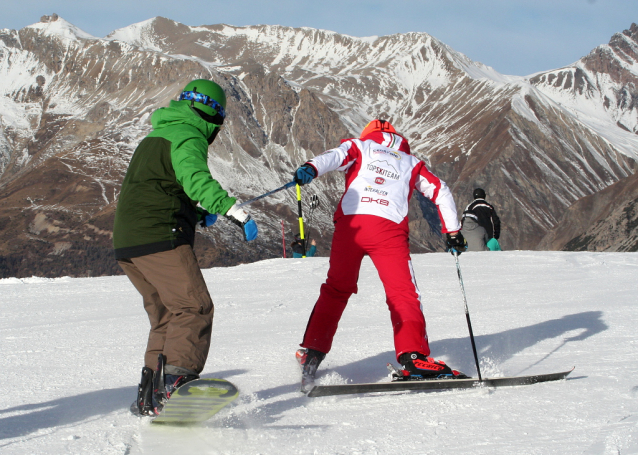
[{"x": 568, "y": 372}]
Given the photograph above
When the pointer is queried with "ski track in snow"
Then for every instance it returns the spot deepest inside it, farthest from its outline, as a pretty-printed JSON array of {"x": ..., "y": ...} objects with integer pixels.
[{"x": 72, "y": 352}]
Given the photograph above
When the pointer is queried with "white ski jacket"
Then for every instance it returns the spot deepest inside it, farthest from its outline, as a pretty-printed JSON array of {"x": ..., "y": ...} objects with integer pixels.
[{"x": 380, "y": 176}]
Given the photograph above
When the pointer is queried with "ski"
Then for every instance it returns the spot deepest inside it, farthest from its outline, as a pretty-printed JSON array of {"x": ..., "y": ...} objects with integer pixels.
[{"x": 397, "y": 386}]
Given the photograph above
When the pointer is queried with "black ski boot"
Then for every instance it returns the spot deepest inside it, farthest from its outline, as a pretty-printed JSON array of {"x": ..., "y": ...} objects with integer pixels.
[
  {"x": 143, "y": 405},
  {"x": 417, "y": 366},
  {"x": 309, "y": 360}
]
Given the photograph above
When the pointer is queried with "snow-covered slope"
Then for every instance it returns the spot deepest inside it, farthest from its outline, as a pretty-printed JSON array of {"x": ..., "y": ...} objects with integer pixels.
[{"x": 72, "y": 352}]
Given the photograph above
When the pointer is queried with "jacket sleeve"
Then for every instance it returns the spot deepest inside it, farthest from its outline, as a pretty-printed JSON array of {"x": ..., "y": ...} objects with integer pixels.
[
  {"x": 190, "y": 162},
  {"x": 438, "y": 192},
  {"x": 496, "y": 221},
  {"x": 336, "y": 159}
]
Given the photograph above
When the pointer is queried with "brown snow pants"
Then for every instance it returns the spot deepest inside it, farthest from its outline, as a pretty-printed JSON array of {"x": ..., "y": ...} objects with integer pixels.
[{"x": 178, "y": 305}]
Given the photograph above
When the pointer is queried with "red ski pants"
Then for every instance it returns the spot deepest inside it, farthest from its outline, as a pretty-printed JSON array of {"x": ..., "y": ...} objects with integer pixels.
[{"x": 388, "y": 246}]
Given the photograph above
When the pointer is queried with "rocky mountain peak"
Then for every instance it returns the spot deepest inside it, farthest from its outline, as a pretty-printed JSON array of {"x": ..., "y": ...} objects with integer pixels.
[
  {"x": 52, "y": 18},
  {"x": 616, "y": 58},
  {"x": 632, "y": 32},
  {"x": 55, "y": 26}
]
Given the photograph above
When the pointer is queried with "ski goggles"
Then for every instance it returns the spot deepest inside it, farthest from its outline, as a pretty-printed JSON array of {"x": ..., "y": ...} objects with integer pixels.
[{"x": 204, "y": 99}]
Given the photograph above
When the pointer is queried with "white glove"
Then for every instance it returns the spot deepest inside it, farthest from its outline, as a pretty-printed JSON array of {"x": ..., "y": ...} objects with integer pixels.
[
  {"x": 242, "y": 219},
  {"x": 237, "y": 215}
]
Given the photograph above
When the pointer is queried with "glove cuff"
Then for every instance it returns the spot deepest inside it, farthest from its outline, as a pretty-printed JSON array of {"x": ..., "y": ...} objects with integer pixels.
[
  {"x": 237, "y": 213},
  {"x": 313, "y": 169}
]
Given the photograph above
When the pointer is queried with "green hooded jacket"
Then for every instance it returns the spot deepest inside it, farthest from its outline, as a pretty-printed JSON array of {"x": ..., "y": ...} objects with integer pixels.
[{"x": 166, "y": 178}]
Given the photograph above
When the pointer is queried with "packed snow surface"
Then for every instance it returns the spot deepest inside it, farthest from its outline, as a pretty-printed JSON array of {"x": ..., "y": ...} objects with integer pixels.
[{"x": 72, "y": 352}]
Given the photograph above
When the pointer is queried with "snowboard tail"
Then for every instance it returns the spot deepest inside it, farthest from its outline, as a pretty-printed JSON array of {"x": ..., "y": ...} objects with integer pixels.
[
  {"x": 197, "y": 401},
  {"x": 398, "y": 386}
]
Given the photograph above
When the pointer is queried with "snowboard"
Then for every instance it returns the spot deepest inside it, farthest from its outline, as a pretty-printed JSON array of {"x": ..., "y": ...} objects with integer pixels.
[
  {"x": 197, "y": 401},
  {"x": 398, "y": 386}
]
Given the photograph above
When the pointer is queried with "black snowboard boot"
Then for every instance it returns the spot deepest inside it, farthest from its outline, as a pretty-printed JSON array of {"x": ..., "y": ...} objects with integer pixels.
[
  {"x": 174, "y": 381},
  {"x": 143, "y": 405},
  {"x": 419, "y": 367},
  {"x": 167, "y": 379}
]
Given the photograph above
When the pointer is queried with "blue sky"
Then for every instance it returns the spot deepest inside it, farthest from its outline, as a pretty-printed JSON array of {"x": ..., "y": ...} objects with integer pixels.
[{"x": 515, "y": 37}]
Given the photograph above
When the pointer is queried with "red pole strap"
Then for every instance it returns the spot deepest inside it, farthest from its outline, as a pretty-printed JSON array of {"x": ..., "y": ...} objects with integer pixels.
[{"x": 283, "y": 237}]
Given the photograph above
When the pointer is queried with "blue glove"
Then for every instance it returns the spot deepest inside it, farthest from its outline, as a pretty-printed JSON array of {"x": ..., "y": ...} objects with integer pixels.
[
  {"x": 208, "y": 220},
  {"x": 250, "y": 230},
  {"x": 238, "y": 216},
  {"x": 304, "y": 174}
]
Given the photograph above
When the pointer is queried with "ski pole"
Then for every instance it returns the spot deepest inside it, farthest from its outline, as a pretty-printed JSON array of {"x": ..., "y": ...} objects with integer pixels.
[
  {"x": 250, "y": 201},
  {"x": 301, "y": 233},
  {"x": 467, "y": 314}
]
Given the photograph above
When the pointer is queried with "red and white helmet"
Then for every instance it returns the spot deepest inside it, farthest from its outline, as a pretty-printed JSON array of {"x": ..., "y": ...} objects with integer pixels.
[{"x": 377, "y": 125}]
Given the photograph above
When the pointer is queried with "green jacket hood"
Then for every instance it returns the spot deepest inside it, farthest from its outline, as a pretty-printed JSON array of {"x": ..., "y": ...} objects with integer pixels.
[{"x": 179, "y": 113}]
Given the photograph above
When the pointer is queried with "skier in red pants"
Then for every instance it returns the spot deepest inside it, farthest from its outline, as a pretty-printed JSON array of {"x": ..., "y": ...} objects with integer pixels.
[{"x": 371, "y": 219}]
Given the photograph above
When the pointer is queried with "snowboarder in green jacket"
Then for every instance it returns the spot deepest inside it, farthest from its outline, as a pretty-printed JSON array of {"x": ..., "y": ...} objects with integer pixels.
[{"x": 168, "y": 190}]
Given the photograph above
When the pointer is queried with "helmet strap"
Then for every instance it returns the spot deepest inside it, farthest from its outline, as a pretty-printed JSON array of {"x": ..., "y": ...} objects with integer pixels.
[{"x": 212, "y": 137}]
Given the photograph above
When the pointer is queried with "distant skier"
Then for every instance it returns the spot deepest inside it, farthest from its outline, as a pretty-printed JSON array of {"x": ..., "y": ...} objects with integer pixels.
[
  {"x": 298, "y": 249},
  {"x": 486, "y": 217},
  {"x": 475, "y": 234},
  {"x": 371, "y": 219},
  {"x": 154, "y": 231}
]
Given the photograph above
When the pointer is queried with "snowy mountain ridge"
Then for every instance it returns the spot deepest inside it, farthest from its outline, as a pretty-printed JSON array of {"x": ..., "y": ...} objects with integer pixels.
[
  {"x": 315, "y": 54},
  {"x": 322, "y": 46},
  {"x": 308, "y": 56},
  {"x": 319, "y": 52},
  {"x": 73, "y": 107}
]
